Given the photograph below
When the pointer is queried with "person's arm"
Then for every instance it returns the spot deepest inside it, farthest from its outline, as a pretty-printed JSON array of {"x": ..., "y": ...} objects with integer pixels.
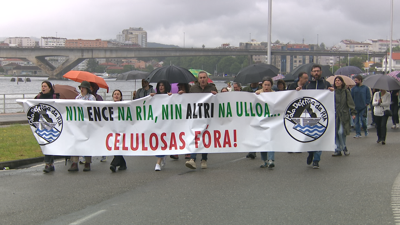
[
  {"x": 368, "y": 94},
  {"x": 350, "y": 104},
  {"x": 375, "y": 100}
]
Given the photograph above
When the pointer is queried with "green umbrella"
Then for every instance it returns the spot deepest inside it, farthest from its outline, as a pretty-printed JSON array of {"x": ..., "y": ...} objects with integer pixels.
[{"x": 195, "y": 72}]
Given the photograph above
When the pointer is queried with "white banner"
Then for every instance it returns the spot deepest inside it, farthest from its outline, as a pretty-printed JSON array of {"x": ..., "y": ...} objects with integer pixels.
[{"x": 288, "y": 121}]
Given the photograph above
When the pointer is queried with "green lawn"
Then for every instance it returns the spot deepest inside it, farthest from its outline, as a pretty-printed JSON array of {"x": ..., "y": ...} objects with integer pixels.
[{"x": 18, "y": 142}]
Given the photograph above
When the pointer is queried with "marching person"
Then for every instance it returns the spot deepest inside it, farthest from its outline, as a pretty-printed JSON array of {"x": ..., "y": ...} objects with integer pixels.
[
  {"x": 361, "y": 96},
  {"x": 94, "y": 88},
  {"x": 302, "y": 79},
  {"x": 118, "y": 159},
  {"x": 48, "y": 93},
  {"x": 144, "y": 91},
  {"x": 381, "y": 103},
  {"x": 268, "y": 158},
  {"x": 343, "y": 105},
  {"x": 163, "y": 87},
  {"x": 317, "y": 82},
  {"x": 84, "y": 95},
  {"x": 201, "y": 87}
]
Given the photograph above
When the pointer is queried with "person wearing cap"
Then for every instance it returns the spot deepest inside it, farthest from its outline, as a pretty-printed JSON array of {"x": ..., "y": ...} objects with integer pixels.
[{"x": 84, "y": 95}]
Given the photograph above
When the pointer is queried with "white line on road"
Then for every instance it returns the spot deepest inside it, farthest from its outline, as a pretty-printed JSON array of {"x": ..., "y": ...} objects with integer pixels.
[
  {"x": 87, "y": 217},
  {"x": 396, "y": 200}
]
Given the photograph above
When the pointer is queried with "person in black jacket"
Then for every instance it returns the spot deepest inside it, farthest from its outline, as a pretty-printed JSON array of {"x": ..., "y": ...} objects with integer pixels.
[
  {"x": 48, "y": 93},
  {"x": 317, "y": 82}
]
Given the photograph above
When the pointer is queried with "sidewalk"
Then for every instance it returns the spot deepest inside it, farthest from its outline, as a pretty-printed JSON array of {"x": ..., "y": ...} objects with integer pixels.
[{"x": 13, "y": 118}]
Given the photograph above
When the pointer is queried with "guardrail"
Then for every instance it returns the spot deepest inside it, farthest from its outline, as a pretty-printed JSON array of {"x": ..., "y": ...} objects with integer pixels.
[{"x": 8, "y": 103}]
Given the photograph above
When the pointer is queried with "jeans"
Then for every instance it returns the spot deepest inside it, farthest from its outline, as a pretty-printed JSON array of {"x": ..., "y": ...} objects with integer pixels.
[
  {"x": 203, "y": 156},
  {"x": 340, "y": 139},
  {"x": 49, "y": 159},
  {"x": 267, "y": 156},
  {"x": 316, "y": 155},
  {"x": 381, "y": 122},
  {"x": 360, "y": 116}
]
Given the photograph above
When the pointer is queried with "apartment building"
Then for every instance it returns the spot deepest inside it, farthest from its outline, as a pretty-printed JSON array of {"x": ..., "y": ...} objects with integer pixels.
[
  {"x": 23, "y": 42},
  {"x": 134, "y": 35},
  {"x": 80, "y": 43},
  {"x": 380, "y": 45},
  {"x": 52, "y": 42},
  {"x": 353, "y": 46}
]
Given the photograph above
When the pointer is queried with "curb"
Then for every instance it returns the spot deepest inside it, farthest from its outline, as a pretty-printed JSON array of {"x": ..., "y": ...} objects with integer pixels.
[
  {"x": 2, "y": 123},
  {"x": 23, "y": 162}
]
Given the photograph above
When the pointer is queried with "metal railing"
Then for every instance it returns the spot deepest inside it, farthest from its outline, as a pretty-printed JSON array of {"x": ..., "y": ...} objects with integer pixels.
[{"x": 8, "y": 103}]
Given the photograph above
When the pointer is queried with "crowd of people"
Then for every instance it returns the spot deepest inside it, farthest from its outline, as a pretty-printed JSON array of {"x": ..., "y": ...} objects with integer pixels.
[{"x": 351, "y": 107}]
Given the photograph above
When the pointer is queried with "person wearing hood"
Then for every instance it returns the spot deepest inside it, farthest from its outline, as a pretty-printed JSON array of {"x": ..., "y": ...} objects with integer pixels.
[
  {"x": 316, "y": 83},
  {"x": 48, "y": 93},
  {"x": 144, "y": 91}
]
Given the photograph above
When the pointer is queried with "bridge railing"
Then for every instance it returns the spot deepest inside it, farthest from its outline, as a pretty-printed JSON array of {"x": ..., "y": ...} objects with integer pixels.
[{"x": 8, "y": 103}]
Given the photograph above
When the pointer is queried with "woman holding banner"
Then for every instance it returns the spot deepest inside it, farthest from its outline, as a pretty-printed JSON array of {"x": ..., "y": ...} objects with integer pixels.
[
  {"x": 163, "y": 87},
  {"x": 381, "y": 103},
  {"x": 268, "y": 158},
  {"x": 343, "y": 105},
  {"x": 48, "y": 93},
  {"x": 118, "y": 159},
  {"x": 84, "y": 95}
]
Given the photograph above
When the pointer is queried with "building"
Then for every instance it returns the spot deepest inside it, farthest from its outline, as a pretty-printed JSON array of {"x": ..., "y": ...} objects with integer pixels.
[
  {"x": 253, "y": 44},
  {"x": 353, "y": 46},
  {"x": 380, "y": 45},
  {"x": 133, "y": 35},
  {"x": 23, "y": 42},
  {"x": 21, "y": 62},
  {"x": 80, "y": 43},
  {"x": 52, "y": 42},
  {"x": 287, "y": 63},
  {"x": 386, "y": 62},
  {"x": 15, "y": 69}
]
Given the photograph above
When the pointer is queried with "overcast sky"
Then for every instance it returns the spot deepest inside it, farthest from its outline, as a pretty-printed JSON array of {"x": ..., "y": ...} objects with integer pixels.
[{"x": 208, "y": 22}]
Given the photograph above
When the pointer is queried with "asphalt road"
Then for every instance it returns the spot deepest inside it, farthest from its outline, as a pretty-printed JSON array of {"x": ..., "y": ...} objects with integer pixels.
[{"x": 357, "y": 189}]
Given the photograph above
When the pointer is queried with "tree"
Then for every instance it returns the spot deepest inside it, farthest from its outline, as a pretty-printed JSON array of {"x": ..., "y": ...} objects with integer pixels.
[
  {"x": 235, "y": 67},
  {"x": 91, "y": 65},
  {"x": 277, "y": 42},
  {"x": 322, "y": 46}
]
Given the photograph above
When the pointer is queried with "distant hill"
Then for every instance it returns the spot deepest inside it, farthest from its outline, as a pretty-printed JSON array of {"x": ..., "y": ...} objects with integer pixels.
[{"x": 158, "y": 45}]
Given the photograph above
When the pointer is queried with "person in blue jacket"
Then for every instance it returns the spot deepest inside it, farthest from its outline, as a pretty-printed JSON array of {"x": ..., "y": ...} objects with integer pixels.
[{"x": 362, "y": 97}]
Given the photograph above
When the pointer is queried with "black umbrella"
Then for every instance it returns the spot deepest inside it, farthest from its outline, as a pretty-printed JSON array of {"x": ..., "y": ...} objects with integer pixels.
[
  {"x": 348, "y": 70},
  {"x": 255, "y": 73},
  {"x": 382, "y": 81},
  {"x": 132, "y": 75},
  {"x": 173, "y": 74},
  {"x": 326, "y": 72}
]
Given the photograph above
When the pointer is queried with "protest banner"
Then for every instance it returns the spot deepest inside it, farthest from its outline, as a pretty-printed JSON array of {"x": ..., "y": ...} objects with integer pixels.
[{"x": 287, "y": 121}]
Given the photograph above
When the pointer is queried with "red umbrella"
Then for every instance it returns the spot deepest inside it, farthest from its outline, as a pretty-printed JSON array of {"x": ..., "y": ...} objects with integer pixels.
[
  {"x": 80, "y": 76},
  {"x": 65, "y": 91}
]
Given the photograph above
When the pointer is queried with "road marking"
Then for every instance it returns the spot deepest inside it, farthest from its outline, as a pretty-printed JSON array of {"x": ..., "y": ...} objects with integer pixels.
[
  {"x": 87, "y": 217},
  {"x": 395, "y": 198}
]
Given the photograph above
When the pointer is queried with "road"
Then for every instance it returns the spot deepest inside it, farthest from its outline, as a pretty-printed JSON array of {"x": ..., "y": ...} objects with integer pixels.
[{"x": 356, "y": 189}]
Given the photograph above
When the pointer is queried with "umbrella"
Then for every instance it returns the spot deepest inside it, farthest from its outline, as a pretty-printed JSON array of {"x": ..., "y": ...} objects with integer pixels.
[
  {"x": 348, "y": 70},
  {"x": 394, "y": 74},
  {"x": 80, "y": 76},
  {"x": 133, "y": 75},
  {"x": 173, "y": 74},
  {"x": 65, "y": 91},
  {"x": 326, "y": 72},
  {"x": 255, "y": 73},
  {"x": 347, "y": 80},
  {"x": 382, "y": 81},
  {"x": 278, "y": 77}
]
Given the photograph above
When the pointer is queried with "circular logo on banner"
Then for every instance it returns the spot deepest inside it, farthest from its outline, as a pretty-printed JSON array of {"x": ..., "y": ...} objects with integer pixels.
[
  {"x": 306, "y": 119},
  {"x": 47, "y": 123}
]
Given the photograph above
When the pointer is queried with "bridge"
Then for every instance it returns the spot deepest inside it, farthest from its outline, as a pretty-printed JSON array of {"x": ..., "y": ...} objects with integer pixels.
[{"x": 78, "y": 55}]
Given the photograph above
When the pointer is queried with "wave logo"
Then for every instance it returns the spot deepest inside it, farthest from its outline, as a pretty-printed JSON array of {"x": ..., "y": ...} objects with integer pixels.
[
  {"x": 306, "y": 119},
  {"x": 46, "y": 123}
]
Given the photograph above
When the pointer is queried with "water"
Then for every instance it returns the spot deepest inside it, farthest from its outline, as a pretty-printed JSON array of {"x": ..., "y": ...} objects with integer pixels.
[{"x": 10, "y": 91}]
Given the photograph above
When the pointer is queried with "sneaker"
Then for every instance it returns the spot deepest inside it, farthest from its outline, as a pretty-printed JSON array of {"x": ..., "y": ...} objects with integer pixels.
[
  {"x": 310, "y": 158},
  {"x": 158, "y": 167},
  {"x": 174, "y": 156},
  {"x": 378, "y": 141},
  {"x": 74, "y": 167},
  {"x": 103, "y": 159},
  {"x": 337, "y": 153},
  {"x": 48, "y": 169},
  {"x": 315, "y": 165},
  {"x": 357, "y": 136},
  {"x": 251, "y": 155},
  {"x": 87, "y": 167},
  {"x": 346, "y": 152},
  {"x": 82, "y": 160},
  {"x": 397, "y": 126},
  {"x": 393, "y": 127},
  {"x": 191, "y": 164},
  {"x": 203, "y": 164},
  {"x": 264, "y": 165},
  {"x": 187, "y": 156},
  {"x": 383, "y": 143},
  {"x": 122, "y": 168},
  {"x": 270, "y": 164},
  {"x": 112, "y": 168}
]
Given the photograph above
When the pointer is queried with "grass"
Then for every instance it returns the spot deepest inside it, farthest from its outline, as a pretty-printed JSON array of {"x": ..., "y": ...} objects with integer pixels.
[{"x": 17, "y": 142}]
